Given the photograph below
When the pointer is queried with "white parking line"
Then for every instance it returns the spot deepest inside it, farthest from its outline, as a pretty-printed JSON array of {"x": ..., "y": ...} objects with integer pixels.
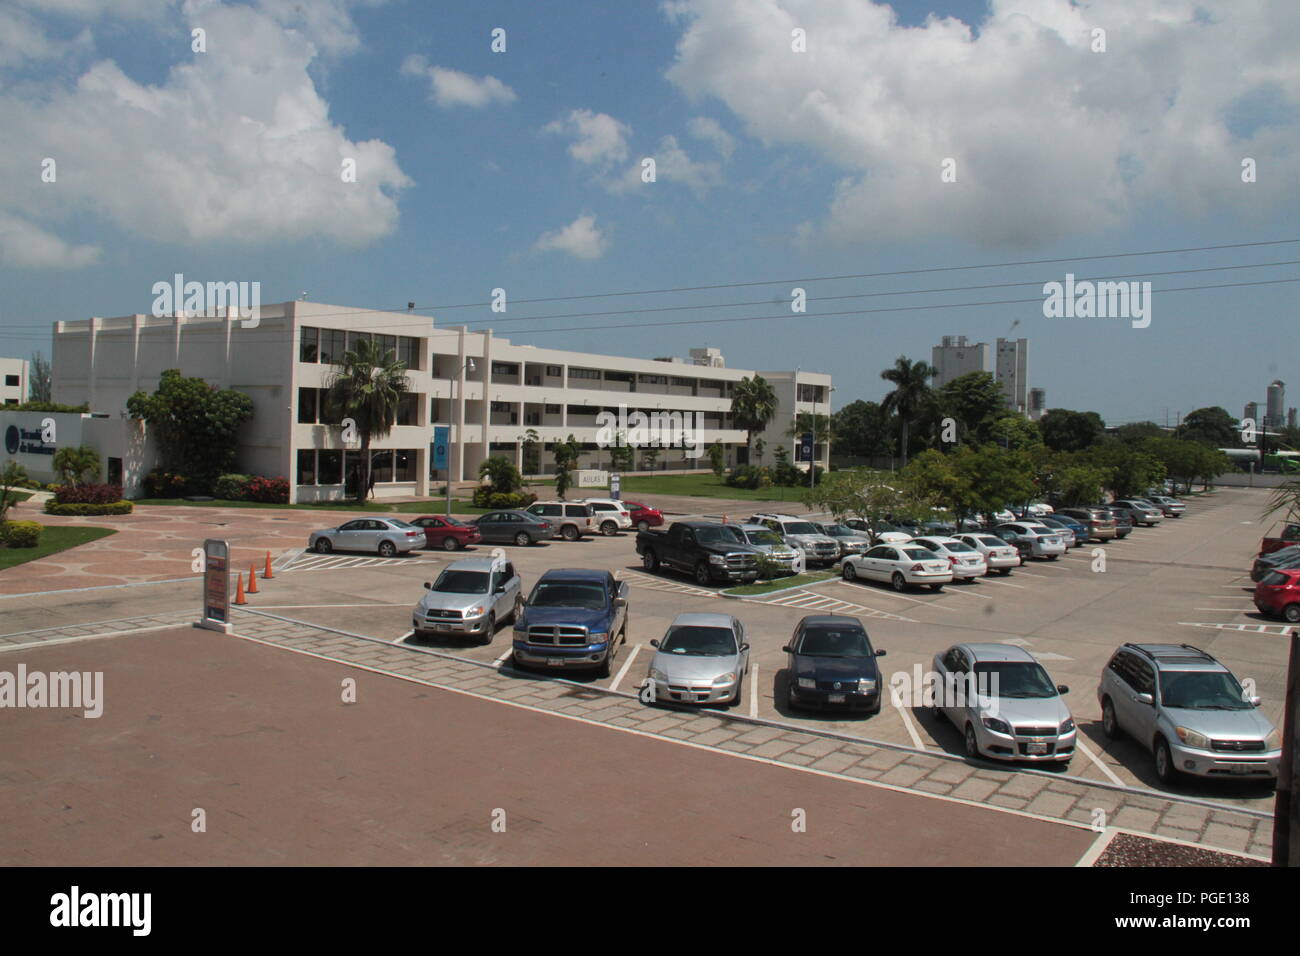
[
  {"x": 962, "y": 590},
  {"x": 753, "y": 690},
  {"x": 504, "y": 656},
  {"x": 1087, "y": 751},
  {"x": 622, "y": 671},
  {"x": 1003, "y": 584},
  {"x": 286, "y": 607},
  {"x": 1234, "y": 610},
  {"x": 895, "y": 698},
  {"x": 403, "y": 637},
  {"x": 901, "y": 597}
]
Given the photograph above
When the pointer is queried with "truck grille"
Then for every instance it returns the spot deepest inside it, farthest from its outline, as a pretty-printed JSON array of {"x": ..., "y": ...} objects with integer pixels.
[
  {"x": 1238, "y": 746},
  {"x": 561, "y": 635},
  {"x": 438, "y": 614},
  {"x": 741, "y": 562}
]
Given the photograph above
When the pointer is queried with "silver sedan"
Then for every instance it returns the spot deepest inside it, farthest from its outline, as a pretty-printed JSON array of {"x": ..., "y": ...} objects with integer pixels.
[
  {"x": 385, "y": 536},
  {"x": 702, "y": 659}
]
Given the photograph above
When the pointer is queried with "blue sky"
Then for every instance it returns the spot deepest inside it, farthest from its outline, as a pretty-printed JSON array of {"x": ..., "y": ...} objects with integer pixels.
[{"x": 520, "y": 169}]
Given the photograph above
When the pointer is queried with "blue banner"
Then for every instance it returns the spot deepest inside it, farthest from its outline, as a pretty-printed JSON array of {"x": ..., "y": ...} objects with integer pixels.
[{"x": 441, "y": 437}]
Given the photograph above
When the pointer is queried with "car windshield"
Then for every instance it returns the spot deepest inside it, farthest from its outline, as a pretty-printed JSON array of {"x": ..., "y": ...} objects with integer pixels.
[
  {"x": 958, "y": 547},
  {"x": 1016, "y": 679},
  {"x": 399, "y": 523},
  {"x": 718, "y": 534},
  {"x": 763, "y": 537},
  {"x": 838, "y": 530},
  {"x": 568, "y": 594},
  {"x": 919, "y": 554},
  {"x": 452, "y": 521},
  {"x": 699, "y": 641},
  {"x": 800, "y": 527},
  {"x": 835, "y": 642},
  {"x": 1274, "y": 578},
  {"x": 884, "y": 526},
  {"x": 462, "y": 582},
  {"x": 1201, "y": 690},
  {"x": 993, "y": 542}
]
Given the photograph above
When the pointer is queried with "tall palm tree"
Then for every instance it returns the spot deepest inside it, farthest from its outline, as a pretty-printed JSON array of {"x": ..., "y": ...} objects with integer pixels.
[
  {"x": 911, "y": 394},
  {"x": 366, "y": 386},
  {"x": 753, "y": 405}
]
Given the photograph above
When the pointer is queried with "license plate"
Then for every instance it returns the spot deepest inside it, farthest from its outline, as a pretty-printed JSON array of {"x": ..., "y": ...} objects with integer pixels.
[
  {"x": 555, "y": 662},
  {"x": 835, "y": 698},
  {"x": 1242, "y": 768},
  {"x": 1036, "y": 748}
]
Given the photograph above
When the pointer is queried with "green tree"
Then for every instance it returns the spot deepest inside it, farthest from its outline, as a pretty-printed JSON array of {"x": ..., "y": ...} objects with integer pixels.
[
  {"x": 194, "y": 424},
  {"x": 1136, "y": 433},
  {"x": 1128, "y": 472},
  {"x": 911, "y": 393},
  {"x": 366, "y": 385},
  {"x": 76, "y": 465},
  {"x": 854, "y": 492},
  {"x": 649, "y": 457},
  {"x": 753, "y": 405},
  {"x": 532, "y": 449},
  {"x": 933, "y": 481},
  {"x": 717, "y": 459},
  {"x": 861, "y": 430},
  {"x": 1065, "y": 430},
  {"x": 622, "y": 455},
  {"x": 994, "y": 478},
  {"x": 502, "y": 475},
  {"x": 975, "y": 401},
  {"x": 566, "y": 457},
  {"x": 13, "y": 477},
  {"x": 1079, "y": 484},
  {"x": 40, "y": 382},
  {"x": 1014, "y": 433},
  {"x": 1212, "y": 426}
]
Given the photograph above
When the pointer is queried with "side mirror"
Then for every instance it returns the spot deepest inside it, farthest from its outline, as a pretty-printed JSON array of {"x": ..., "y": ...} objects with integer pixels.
[
  {"x": 501, "y": 589},
  {"x": 428, "y": 585},
  {"x": 620, "y": 602},
  {"x": 786, "y": 649},
  {"x": 1256, "y": 701},
  {"x": 655, "y": 642},
  {"x": 1147, "y": 699},
  {"x": 880, "y": 652},
  {"x": 1062, "y": 689},
  {"x": 744, "y": 647}
]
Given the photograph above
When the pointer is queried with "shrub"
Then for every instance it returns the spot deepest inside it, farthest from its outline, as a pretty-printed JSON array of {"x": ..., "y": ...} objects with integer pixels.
[
  {"x": 749, "y": 476},
  {"x": 231, "y": 487},
  {"x": 271, "y": 491},
  {"x": 53, "y": 507},
  {"x": 20, "y": 534},
  {"x": 88, "y": 494},
  {"x": 484, "y": 497},
  {"x": 166, "y": 484}
]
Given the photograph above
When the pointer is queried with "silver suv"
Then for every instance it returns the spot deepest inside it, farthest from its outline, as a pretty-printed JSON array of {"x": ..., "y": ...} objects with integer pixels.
[
  {"x": 1189, "y": 711},
  {"x": 470, "y": 598},
  {"x": 573, "y": 519},
  {"x": 787, "y": 558},
  {"x": 801, "y": 533}
]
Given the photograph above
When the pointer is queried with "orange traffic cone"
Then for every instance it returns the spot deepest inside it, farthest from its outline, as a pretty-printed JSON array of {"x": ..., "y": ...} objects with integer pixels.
[
  {"x": 266, "y": 574},
  {"x": 252, "y": 579},
  {"x": 239, "y": 590}
]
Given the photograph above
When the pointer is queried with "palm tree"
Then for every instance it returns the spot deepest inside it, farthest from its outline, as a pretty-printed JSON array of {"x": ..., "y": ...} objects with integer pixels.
[
  {"x": 753, "y": 405},
  {"x": 367, "y": 386},
  {"x": 911, "y": 394}
]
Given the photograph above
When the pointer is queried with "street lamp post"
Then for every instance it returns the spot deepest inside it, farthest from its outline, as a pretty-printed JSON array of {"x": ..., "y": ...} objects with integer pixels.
[{"x": 460, "y": 437}]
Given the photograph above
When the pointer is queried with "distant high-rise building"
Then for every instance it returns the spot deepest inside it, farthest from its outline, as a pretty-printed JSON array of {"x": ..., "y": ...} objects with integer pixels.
[
  {"x": 1012, "y": 372},
  {"x": 956, "y": 357},
  {"x": 1276, "y": 404},
  {"x": 1290, "y": 418},
  {"x": 1037, "y": 403},
  {"x": 1252, "y": 412}
]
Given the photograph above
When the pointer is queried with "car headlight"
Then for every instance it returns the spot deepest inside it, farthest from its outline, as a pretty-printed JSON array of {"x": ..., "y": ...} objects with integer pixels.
[
  {"x": 1067, "y": 727},
  {"x": 597, "y": 637},
  {"x": 475, "y": 611},
  {"x": 723, "y": 679},
  {"x": 807, "y": 683},
  {"x": 867, "y": 685},
  {"x": 1192, "y": 738},
  {"x": 717, "y": 559},
  {"x": 996, "y": 725},
  {"x": 1274, "y": 740}
]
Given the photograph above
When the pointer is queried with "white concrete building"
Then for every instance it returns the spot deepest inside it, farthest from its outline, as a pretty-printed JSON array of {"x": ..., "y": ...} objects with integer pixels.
[
  {"x": 957, "y": 356},
  {"x": 1013, "y": 372},
  {"x": 283, "y": 364},
  {"x": 15, "y": 378}
]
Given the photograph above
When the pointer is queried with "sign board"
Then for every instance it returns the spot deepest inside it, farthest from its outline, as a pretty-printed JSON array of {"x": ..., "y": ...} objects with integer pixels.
[
  {"x": 806, "y": 447},
  {"x": 615, "y": 486},
  {"x": 441, "y": 439},
  {"x": 590, "y": 478},
  {"x": 216, "y": 585}
]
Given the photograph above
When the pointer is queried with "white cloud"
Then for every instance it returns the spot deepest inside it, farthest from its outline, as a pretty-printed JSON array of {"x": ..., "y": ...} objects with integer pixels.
[
  {"x": 1050, "y": 138},
  {"x": 710, "y": 131},
  {"x": 598, "y": 138},
  {"x": 672, "y": 165},
  {"x": 238, "y": 147},
  {"x": 24, "y": 245},
  {"x": 581, "y": 239},
  {"x": 452, "y": 88}
]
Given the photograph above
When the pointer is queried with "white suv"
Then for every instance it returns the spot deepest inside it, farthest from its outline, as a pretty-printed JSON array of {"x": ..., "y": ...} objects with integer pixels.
[{"x": 610, "y": 515}]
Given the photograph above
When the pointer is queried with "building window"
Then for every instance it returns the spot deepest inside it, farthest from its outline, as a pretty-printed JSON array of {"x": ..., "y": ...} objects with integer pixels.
[
  {"x": 307, "y": 406},
  {"x": 408, "y": 352},
  {"x": 552, "y": 409},
  {"x": 407, "y": 409},
  {"x": 381, "y": 466},
  {"x": 11, "y": 380},
  {"x": 504, "y": 368},
  {"x": 654, "y": 379},
  {"x": 308, "y": 350},
  {"x": 502, "y": 406},
  {"x": 11, "y": 401},
  {"x": 332, "y": 344},
  {"x": 330, "y": 467},
  {"x": 554, "y": 371},
  {"x": 404, "y": 464},
  {"x": 619, "y": 376},
  {"x": 387, "y": 345},
  {"x": 306, "y": 466},
  {"x": 683, "y": 382},
  {"x": 354, "y": 337},
  {"x": 592, "y": 373}
]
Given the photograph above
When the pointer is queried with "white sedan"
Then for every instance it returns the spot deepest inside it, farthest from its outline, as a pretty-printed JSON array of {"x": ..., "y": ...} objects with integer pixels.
[
  {"x": 967, "y": 563},
  {"x": 998, "y": 555},
  {"x": 900, "y": 565}
]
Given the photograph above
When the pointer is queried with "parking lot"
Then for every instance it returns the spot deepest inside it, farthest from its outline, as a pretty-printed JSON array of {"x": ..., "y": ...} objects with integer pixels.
[{"x": 1184, "y": 581}]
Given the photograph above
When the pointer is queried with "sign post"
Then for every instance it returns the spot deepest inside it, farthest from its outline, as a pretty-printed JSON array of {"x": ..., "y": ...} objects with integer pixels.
[
  {"x": 615, "y": 486},
  {"x": 216, "y": 586}
]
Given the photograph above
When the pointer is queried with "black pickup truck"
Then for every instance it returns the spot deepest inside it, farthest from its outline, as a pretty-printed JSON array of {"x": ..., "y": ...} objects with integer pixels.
[{"x": 708, "y": 550}]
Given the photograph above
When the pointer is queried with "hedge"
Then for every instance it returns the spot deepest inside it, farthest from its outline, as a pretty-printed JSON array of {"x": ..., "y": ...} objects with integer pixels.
[
  {"x": 87, "y": 494},
  {"x": 52, "y": 507},
  {"x": 21, "y": 534},
  {"x": 231, "y": 487},
  {"x": 485, "y": 498}
]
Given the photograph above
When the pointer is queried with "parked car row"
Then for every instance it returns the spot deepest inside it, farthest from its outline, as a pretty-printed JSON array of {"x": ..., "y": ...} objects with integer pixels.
[{"x": 1276, "y": 573}]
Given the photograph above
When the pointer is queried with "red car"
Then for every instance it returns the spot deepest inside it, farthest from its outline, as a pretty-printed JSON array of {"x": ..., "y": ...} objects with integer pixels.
[
  {"x": 1289, "y": 534},
  {"x": 447, "y": 533},
  {"x": 643, "y": 516},
  {"x": 1278, "y": 594}
]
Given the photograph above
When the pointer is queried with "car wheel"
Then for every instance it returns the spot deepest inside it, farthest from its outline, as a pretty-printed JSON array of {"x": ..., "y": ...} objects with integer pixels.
[
  {"x": 739, "y": 695},
  {"x": 1109, "y": 726},
  {"x": 516, "y": 663},
  {"x": 643, "y": 525},
  {"x": 491, "y": 629},
  {"x": 1004, "y": 571},
  {"x": 607, "y": 663},
  {"x": 387, "y": 549},
  {"x": 323, "y": 546},
  {"x": 450, "y": 544},
  {"x": 522, "y": 539},
  {"x": 609, "y": 528},
  {"x": 1292, "y": 613},
  {"x": 570, "y": 532},
  {"x": 849, "y": 573},
  {"x": 1164, "y": 762},
  {"x": 898, "y": 581},
  {"x": 972, "y": 743},
  {"x": 649, "y": 561},
  {"x": 789, "y": 699},
  {"x": 1052, "y": 557},
  {"x": 702, "y": 575},
  {"x": 936, "y": 587}
]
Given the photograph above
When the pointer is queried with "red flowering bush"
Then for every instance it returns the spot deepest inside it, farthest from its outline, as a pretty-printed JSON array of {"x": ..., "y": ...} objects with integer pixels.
[
  {"x": 273, "y": 491},
  {"x": 88, "y": 494}
]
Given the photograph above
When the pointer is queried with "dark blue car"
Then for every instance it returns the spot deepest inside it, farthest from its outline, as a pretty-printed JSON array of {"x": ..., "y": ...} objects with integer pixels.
[
  {"x": 832, "y": 665},
  {"x": 574, "y": 618}
]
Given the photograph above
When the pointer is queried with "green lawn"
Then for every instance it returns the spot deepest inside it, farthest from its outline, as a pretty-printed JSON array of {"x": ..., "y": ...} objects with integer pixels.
[
  {"x": 434, "y": 506},
  {"x": 54, "y": 538},
  {"x": 696, "y": 486},
  {"x": 777, "y": 584},
  {"x": 17, "y": 496}
]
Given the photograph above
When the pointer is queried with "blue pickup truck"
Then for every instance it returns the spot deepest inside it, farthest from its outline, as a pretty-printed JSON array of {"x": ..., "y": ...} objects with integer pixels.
[{"x": 572, "y": 619}]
